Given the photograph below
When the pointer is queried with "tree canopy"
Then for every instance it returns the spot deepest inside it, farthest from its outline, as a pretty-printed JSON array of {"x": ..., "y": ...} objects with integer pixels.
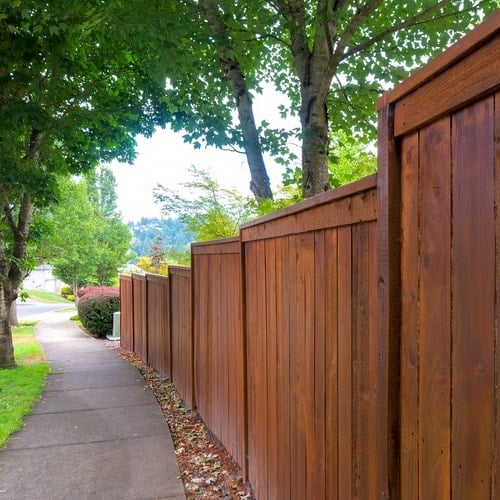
[
  {"x": 71, "y": 95},
  {"x": 332, "y": 58}
]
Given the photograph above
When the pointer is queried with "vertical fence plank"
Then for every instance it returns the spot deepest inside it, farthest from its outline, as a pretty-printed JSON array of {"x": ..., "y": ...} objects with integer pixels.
[
  {"x": 126, "y": 313},
  {"x": 181, "y": 332},
  {"x": 283, "y": 276},
  {"x": 435, "y": 341},
  {"x": 344, "y": 362},
  {"x": 410, "y": 320},
  {"x": 496, "y": 441},
  {"x": 316, "y": 456},
  {"x": 387, "y": 342},
  {"x": 332, "y": 363},
  {"x": 140, "y": 316},
  {"x": 272, "y": 365},
  {"x": 473, "y": 300}
]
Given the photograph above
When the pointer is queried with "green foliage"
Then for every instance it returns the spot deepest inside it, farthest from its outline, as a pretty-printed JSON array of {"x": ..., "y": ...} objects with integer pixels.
[
  {"x": 71, "y": 95},
  {"x": 20, "y": 387},
  {"x": 87, "y": 244},
  {"x": 210, "y": 212},
  {"x": 65, "y": 291},
  {"x": 46, "y": 297},
  {"x": 173, "y": 234},
  {"x": 348, "y": 161},
  {"x": 96, "y": 309}
]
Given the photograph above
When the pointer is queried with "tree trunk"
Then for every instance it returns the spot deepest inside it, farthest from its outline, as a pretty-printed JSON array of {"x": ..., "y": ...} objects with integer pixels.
[
  {"x": 13, "y": 321},
  {"x": 6, "y": 347},
  {"x": 12, "y": 274},
  {"x": 314, "y": 121},
  {"x": 260, "y": 184}
]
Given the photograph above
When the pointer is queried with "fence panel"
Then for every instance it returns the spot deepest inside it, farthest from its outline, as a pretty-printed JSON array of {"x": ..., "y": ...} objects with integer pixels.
[
  {"x": 310, "y": 308},
  {"x": 126, "y": 313},
  {"x": 447, "y": 127},
  {"x": 181, "y": 332},
  {"x": 218, "y": 333},
  {"x": 139, "y": 293},
  {"x": 158, "y": 323}
]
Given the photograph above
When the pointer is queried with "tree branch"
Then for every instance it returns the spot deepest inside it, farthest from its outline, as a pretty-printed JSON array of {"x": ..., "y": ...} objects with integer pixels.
[{"x": 414, "y": 21}]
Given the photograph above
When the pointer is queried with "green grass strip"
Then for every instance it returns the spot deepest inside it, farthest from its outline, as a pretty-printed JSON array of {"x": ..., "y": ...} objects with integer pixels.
[
  {"x": 21, "y": 387},
  {"x": 48, "y": 297}
]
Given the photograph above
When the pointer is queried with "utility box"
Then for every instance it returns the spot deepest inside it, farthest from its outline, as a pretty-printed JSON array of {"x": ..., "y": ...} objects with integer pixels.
[{"x": 116, "y": 327}]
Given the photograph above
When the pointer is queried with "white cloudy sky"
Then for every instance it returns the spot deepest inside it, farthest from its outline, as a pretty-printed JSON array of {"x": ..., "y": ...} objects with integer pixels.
[{"x": 165, "y": 159}]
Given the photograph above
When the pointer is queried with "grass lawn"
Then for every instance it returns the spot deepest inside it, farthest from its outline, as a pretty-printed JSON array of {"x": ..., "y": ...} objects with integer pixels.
[
  {"x": 20, "y": 387},
  {"x": 47, "y": 297}
]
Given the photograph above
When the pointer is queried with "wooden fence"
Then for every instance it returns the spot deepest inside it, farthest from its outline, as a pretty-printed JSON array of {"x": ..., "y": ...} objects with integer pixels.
[
  {"x": 220, "y": 349},
  {"x": 311, "y": 300},
  {"x": 348, "y": 347},
  {"x": 445, "y": 125}
]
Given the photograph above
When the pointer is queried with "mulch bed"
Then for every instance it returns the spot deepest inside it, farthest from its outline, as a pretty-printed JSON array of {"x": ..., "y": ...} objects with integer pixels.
[{"x": 207, "y": 469}]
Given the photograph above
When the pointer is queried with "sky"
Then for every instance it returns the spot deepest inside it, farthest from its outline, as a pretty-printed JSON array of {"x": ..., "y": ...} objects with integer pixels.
[{"x": 165, "y": 159}]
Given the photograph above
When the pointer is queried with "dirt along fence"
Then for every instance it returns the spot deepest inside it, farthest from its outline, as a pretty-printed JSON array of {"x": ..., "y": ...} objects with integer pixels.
[{"x": 348, "y": 346}]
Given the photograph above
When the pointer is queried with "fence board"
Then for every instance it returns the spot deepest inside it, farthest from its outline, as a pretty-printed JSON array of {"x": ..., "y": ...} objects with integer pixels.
[
  {"x": 434, "y": 265},
  {"x": 140, "y": 316},
  {"x": 410, "y": 313},
  {"x": 496, "y": 439},
  {"x": 473, "y": 300},
  {"x": 126, "y": 313},
  {"x": 181, "y": 333},
  {"x": 158, "y": 323}
]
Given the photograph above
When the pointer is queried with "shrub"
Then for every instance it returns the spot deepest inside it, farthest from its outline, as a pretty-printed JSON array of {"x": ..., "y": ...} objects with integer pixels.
[
  {"x": 93, "y": 289},
  {"x": 65, "y": 291},
  {"x": 70, "y": 298},
  {"x": 96, "y": 310}
]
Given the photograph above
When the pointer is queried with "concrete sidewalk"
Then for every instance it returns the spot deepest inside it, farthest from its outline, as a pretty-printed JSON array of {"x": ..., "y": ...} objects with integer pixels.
[{"x": 98, "y": 431}]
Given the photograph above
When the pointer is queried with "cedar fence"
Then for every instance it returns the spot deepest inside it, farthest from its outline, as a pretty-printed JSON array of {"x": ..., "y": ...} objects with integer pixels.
[{"x": 348, "y": 346}]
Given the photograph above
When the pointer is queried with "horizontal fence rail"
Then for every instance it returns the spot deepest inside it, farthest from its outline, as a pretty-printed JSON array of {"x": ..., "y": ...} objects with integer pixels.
[{"x": 348, "y": 346}]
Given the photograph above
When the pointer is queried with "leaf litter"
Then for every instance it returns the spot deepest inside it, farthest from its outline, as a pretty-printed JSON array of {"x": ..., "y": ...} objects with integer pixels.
[{"x": 206, "y": 467}]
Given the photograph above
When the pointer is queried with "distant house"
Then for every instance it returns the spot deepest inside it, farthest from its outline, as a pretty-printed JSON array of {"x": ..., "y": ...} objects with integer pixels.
[{"x": 41, "y": 278}]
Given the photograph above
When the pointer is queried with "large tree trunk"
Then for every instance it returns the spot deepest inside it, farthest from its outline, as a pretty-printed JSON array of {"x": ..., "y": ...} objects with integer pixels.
[
  {"x": 260, "y": 184},
  {"x": 15, "y": 214},
  {"x": 314, "y": 122},
  {"x": 13, "y": 321},
  {"x": 6, "y": 347}
]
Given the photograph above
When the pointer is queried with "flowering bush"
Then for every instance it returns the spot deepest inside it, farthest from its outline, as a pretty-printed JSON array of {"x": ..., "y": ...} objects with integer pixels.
[
  {"x": 93, "y": 289},
  {"x": 96, "y": 310}
]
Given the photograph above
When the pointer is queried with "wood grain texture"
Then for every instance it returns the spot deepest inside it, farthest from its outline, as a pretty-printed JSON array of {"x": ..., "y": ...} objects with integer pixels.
[
  {"x": 126, "y": 313},
  {"x": 435, "y": 310},
  {"x": 409, "y": 454},
  {"x": 473, "y": 77},
  {"x": 473, "y": 288},
  {"x": 158, "y": 323}
]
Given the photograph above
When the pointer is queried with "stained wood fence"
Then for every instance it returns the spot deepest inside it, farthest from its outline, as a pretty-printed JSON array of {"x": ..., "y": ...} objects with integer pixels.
[{"x": 348, "y": 346}]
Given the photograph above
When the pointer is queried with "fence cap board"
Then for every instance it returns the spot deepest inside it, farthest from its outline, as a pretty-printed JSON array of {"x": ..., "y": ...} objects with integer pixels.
[
  {"x": 364, "y": 184},
  {"x": 156, "y": 277},
  {"x": 226, "y": 245},
  {"x": 139, "y": 277},
  {"x": 179, "y": 271},
  {"x": 458, "y": 51}
]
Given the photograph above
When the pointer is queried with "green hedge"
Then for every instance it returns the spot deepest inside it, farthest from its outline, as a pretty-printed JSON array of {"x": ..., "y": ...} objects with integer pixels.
[{"x": 96, "y": 311}]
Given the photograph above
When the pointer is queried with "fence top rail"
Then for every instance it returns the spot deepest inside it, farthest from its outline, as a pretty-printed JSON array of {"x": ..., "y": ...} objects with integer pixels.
[
  {"x": 458, "y": 51},
  {"x": 126, "y": 277},
  {"x": 227, "y": 245},
  {"x": 157, "y": 277},
  {"x": 179, "y": 271},
  {"x": 138, "y": 277},
  {"x": 365, "y": 184}
]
